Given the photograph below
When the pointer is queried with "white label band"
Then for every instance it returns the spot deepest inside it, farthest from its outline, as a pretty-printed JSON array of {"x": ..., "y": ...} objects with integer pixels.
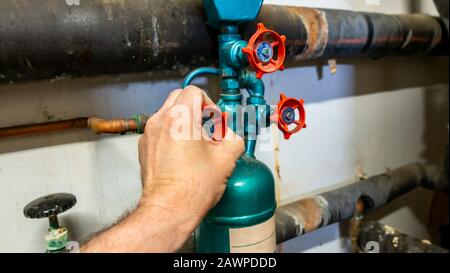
[{"x": 255, "y": 239}]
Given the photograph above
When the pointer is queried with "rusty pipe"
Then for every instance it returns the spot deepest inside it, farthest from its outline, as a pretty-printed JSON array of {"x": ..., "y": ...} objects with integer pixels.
[
  {"x": 46, "y": 39},
  {"x": 367, "y": 195},
  {"x": 42, "y": 128}
]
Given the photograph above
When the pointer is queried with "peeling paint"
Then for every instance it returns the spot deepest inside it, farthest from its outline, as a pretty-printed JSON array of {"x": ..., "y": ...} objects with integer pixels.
[
  {"x": 29, "y": 64},
  {"x": 316, "y": 25},
  {"x": 408, "y": 38},
  {"x": 127, "y": 39},
  {"x": 109, "y": 12},
  {"x": 298, "y": 218},
  {"x": 360, "y": 173},
  {"x": 155, "y": 29},
  {"x": 389, "y": 230},
  {"x": 276, "y": 155},
  {"x": 114, "y": 2},
  {"x": 72, "y": 2}
]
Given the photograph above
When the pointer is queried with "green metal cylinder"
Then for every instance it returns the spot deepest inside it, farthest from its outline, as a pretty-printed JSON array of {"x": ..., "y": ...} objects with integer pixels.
[{"x": 243, "y": 221}]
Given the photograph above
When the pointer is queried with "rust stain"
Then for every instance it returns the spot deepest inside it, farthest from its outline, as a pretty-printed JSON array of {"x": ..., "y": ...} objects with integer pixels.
[
  {"x": 313, "y": 213},
  {"x": 316, "y": 26},
  {"x": 355, "y": 224},
  {"x": 360, "y": 173},
  {"x": 359, "y": 206},
  {"x": 276, "y": 152},
  {"x": 308, "y": 212}
]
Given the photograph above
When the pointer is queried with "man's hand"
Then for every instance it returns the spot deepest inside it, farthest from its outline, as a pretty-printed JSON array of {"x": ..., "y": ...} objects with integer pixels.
[{"x": 183, "y": 178}]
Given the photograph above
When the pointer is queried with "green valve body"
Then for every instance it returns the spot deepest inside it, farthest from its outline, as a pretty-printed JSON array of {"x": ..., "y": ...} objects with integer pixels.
[{"x": 243, "y": 220}]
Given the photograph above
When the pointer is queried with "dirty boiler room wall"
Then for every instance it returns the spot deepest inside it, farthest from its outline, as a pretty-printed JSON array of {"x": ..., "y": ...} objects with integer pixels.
[{"x": 368, "y": 117}]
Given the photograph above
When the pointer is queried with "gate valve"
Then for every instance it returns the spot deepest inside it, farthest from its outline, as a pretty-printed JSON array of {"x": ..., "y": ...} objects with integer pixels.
[
  {"x": 289, "y": 112},
  {"x": 266, "y": 51},
  {"x": 50, "y": 206}
]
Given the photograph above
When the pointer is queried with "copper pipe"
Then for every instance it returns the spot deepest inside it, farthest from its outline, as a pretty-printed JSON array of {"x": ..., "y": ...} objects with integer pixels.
[
  {"x": 97, "y": 125},
  {"x": 118, "y": 126},
  {"x": 114, "y": 126},
  {"x": 41, "y": 128}
]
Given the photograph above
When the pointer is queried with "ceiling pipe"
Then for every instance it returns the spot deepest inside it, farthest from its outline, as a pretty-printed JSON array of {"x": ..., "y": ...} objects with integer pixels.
[{"x": 48, "y": 39}]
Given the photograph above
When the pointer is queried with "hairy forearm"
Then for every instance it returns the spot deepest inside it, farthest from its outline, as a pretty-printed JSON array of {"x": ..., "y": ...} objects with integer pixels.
[{"x": 149, "y": 228}]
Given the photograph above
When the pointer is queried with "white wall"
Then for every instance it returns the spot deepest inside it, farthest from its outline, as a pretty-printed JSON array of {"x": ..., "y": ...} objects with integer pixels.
[{"x": 370, "y": 116}]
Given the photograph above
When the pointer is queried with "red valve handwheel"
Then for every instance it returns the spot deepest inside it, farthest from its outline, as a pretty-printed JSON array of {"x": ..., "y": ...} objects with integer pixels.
[
  {"x": 286, "y": 115},
  {"x": 260, "y": 51},
  {"x": 217, "y": 119}
]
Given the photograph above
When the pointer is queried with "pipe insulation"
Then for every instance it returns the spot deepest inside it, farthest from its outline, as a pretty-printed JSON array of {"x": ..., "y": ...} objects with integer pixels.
[
  {"x": 341, "y": 204},
  {"x": 53, "y": 38}
]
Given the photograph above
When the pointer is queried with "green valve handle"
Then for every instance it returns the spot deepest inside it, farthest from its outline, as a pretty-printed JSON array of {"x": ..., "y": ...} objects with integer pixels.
[{"x": 50, "y": 206}]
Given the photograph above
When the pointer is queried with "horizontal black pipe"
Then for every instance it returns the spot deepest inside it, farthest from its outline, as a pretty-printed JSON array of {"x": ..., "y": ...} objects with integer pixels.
[
  {"x": 341, "y": 204},
  {"x": 45, "y": 39},
  {"x": 375, "y": 237},
  {"x": 312, "y": 213}
]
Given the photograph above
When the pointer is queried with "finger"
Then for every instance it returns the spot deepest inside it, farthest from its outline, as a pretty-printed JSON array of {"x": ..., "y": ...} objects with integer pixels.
[
  {"x": 196, "y": 99},
  {"x": 214, "y": 127},
  {"x": 211, "y": 112},
  {"x": 191, "y": 92},
  {"x": 233, "y": 143},
  {"x": 141, "y": 149},
  {"x": 206, "y": 99},
  {"x": 170, "y": 100}
]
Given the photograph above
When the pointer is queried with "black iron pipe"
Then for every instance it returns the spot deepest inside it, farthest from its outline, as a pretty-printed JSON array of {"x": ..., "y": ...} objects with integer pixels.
[
  {"x": 46, "y": 39},
  {"x": 324, "y": 33},
  {"x": 341, "y": 204}
]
